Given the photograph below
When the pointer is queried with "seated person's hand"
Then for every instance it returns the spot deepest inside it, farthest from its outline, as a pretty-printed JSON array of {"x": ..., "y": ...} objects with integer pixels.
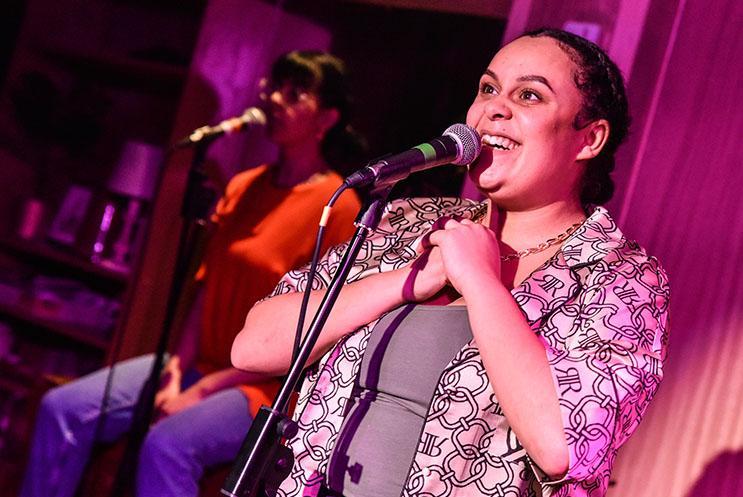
[
  {"x": 180, "y": 401},
  {"x": 170, "y": 384}
]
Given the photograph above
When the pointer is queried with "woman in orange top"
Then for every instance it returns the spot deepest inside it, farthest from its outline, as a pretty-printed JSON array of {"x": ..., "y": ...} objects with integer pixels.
[{"x": 265, "y": 225}]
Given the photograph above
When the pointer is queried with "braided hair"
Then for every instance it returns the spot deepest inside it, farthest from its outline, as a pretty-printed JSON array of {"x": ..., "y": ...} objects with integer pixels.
[
  {"x": 324, "y": 75},
  {"x": 604, "y": 97}
]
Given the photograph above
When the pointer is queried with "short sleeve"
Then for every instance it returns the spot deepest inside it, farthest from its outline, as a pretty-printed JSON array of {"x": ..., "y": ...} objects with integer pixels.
[
  {"x": 296, "y": 279},
  {"x": 612, "y": 363}
]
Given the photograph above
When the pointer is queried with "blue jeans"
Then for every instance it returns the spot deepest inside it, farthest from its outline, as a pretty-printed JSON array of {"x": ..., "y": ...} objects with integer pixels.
[{"x": 173, "y": 456}]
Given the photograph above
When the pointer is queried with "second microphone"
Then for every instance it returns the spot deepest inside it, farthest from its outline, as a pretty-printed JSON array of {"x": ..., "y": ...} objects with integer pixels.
[{"x": 251, "y": 116}]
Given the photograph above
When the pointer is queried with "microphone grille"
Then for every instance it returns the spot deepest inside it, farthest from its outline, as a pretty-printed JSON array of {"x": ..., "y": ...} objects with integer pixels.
[
  {"x": 254, "y": 115},
  {"x": 468, "y": 141}
]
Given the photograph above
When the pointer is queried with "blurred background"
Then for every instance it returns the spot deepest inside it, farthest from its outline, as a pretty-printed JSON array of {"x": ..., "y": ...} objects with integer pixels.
[{"x": 93, "y": 93}]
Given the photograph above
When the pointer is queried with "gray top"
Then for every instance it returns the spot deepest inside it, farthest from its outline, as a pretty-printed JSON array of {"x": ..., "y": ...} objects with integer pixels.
[{"x": 408, "y": 350}]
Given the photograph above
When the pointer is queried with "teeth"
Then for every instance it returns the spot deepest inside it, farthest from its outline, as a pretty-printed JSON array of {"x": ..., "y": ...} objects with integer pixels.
[{"x": 500, "y": 142}]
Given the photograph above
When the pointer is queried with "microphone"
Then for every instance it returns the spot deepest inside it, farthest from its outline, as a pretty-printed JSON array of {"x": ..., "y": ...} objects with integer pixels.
[
  {"x": 251, "y": 116},
  {"x": 459, "y": 145}
]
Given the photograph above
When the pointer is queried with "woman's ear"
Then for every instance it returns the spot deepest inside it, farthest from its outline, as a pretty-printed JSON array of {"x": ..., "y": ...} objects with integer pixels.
[{"x": 594, "y": 139}]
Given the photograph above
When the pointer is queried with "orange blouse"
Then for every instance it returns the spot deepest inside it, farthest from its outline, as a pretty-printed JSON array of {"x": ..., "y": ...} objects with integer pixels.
[{"x": 262, "y": 232}]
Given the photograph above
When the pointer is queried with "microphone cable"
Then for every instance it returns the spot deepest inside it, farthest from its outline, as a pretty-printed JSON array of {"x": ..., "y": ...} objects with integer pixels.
[{"x": 313, "y": 268}]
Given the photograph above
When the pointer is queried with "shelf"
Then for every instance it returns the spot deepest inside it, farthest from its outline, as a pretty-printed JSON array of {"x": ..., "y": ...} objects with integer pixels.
[
  {"x": 24, "y": 313},
  {"x": 17, "y": 378},
  {"x": 41, "y": 251}
]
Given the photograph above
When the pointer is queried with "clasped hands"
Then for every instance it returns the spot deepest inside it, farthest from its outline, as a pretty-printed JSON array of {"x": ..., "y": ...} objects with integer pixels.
[{"x": 456, "y": 252}]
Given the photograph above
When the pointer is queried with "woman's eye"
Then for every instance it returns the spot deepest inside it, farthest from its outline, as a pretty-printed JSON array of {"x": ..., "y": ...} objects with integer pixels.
[
  {"x": 530, "y": 96},
  {"x": 487, "y": 88}
]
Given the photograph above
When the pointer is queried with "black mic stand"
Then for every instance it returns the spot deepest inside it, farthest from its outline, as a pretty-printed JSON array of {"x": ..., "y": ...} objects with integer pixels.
[
  {"x": 197, "y": 203},
  {"x": 264, "y": 461}
]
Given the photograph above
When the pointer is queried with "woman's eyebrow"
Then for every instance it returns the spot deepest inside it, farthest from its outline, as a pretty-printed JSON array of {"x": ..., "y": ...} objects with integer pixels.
[
  {"x": 538, "y": 79},
  {"x": 521, "y": 79}
]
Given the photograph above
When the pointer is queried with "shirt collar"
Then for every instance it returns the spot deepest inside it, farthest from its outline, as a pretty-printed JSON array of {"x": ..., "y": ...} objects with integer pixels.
[
  {"x": 558, "y": 280},
  {"x": 592, "y": 241},
  {"x": 596, "y": 237}
]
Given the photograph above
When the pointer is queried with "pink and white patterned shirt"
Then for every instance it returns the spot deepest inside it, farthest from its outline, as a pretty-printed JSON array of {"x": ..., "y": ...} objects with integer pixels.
[{"x": 600, "y": 306}]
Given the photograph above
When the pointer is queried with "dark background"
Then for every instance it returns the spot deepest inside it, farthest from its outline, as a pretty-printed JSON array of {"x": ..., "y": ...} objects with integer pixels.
[{"x": 414, "y": 72}]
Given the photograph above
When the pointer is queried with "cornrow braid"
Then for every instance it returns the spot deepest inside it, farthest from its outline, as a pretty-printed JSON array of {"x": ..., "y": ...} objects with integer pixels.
[{"x": 604, "y": 97}]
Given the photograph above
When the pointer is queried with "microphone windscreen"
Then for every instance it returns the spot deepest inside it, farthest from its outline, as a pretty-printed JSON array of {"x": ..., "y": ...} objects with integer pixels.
[
  {"x": 468, "y": 141},
  {"x": 254, "y": 115}
]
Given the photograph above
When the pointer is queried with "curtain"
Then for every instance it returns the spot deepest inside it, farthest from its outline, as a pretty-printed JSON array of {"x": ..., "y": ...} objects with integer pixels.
[{"x": 681, "y": 198}]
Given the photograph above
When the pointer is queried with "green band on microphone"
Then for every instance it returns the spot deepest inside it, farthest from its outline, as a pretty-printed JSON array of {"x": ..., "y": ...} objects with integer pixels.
[{"x": 428, "y": 151}]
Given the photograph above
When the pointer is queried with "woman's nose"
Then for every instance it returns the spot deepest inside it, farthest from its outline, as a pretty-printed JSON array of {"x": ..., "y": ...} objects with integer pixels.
[
  {"x": 276, "y": 97},
  {"x": 498, "y": 108}
]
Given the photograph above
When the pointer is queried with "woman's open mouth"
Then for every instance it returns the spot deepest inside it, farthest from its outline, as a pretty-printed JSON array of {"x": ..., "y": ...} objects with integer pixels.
[{"x": 499, "y": 142}]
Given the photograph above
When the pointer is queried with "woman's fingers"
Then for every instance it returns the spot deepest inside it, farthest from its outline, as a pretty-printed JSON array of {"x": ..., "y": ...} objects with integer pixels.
[
  {"x": 440, "y": 227},
  {"x": 437, "y": 225},
  {"x": 452, "y": 223},
  {"x": 435, "y": 238}
]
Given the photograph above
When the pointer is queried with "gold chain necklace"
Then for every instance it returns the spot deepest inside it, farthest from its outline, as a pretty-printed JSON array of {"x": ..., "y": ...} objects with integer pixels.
[{"x": 542, "y": 246}]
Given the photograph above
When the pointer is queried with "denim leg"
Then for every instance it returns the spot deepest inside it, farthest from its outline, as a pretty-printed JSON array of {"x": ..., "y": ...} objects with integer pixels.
[
  {"x": 66, "y": 424},
  {"x": 178, "y": 448}
]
